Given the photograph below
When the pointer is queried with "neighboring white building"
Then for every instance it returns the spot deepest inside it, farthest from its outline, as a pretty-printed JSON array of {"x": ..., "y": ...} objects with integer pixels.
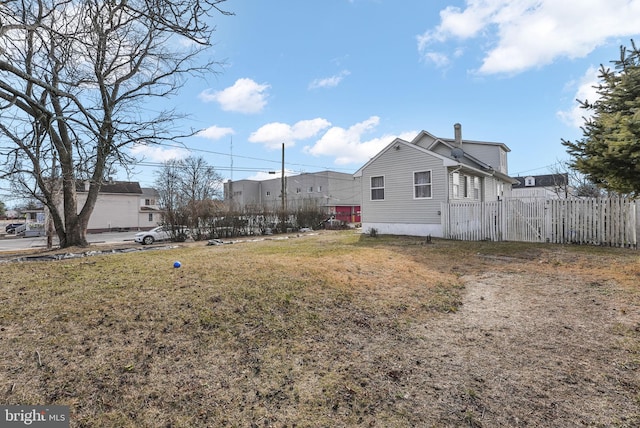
[
  {"x": 549, "y": 186},
  {"x": 336, "y": 193},
  {"x": 150, "y": 214},
  {"x": 404, "y": 185},
  {"x": 117, "y": 206},
  {"x": 121, "y": 206}
]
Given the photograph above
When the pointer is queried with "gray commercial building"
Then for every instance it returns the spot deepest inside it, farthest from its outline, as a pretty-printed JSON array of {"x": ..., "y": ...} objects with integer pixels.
[{"x": 338, "y": 194}]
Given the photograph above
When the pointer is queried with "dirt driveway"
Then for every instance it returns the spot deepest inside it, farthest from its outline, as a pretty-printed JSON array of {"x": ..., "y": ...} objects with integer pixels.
[{"x": 536, "y": 349}]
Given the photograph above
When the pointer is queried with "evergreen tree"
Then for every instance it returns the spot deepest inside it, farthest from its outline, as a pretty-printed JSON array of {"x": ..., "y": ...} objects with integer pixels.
[{"x": 609, "y": 152}]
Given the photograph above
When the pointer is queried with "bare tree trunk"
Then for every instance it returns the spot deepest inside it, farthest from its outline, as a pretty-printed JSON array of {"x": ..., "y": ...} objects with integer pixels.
[{"x": 72, "y": 78}]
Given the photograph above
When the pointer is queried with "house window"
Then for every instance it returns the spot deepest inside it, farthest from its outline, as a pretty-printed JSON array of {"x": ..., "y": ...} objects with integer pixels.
[
  {"x": 377, "y": 188},
  {"x": 319, "y": 188},
  {"x": 148, "y": 202},
  {"x": 476, "y": 188},
  {"x": 422, "y": 184},
  {"x": 150, "y": 217},
  {"x": 455, "y": 183},
  {"x": 467, "y": 186},
  {"x": 298, "y": 190},
  {"x": 268, "y": 193},
  {"x": 310, "y": 189}
]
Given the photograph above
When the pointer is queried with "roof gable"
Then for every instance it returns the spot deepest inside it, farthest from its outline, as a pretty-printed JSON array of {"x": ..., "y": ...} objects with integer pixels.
[
  {"x": 395, "y": 145},
  {"x": 426, "y": 143}
]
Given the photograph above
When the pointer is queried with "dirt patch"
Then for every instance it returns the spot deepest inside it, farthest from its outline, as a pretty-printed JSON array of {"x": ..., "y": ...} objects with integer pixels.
[{"x": 528, "y": 349}]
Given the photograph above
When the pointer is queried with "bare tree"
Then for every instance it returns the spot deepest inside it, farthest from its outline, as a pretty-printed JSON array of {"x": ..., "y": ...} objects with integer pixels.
[
  {"x": 74, "y": 75},
  {"x": 187, "y": 190},
  {"x": 576, "y": 184}
]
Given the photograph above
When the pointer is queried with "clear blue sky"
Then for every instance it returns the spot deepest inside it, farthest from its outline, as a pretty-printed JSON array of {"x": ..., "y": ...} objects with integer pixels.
[{"x": 338, "y": 80}]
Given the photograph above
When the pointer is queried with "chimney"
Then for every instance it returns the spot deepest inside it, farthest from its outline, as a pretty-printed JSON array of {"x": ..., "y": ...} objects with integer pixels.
[{"x": 457, "y": 131}]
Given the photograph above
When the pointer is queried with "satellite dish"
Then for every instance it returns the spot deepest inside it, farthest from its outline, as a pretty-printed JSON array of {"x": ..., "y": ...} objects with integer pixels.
[{"x": 457, "y": 153}]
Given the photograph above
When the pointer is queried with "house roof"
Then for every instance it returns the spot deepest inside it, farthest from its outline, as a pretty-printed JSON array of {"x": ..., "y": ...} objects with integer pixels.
[
  {"x": 480, "y": 167},
  {"x": 400, "y": 142},
  {"x": 150, "y": 191},
  {"x": 113, "y": 187},
  {"x": 545, "y": 180},
  {"x": 451, "y": 141},
  {"x": 451, "y": 145}
]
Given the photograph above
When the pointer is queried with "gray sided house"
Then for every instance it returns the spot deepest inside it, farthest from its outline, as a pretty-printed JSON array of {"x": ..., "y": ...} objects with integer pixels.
[{"x": 405, "y": 184}]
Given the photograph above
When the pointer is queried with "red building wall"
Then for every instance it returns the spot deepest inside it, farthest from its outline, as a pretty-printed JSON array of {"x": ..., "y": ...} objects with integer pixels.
[{"x": 348, "y": 214}]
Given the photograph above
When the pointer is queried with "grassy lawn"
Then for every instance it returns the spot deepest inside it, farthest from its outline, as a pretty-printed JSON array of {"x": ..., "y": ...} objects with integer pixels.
[{"x": 310, "y": 331}]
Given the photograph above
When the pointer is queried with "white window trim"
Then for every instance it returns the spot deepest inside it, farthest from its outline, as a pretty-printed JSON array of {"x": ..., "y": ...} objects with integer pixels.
[
  {"x": 455, "y": 185},
  {"x": 384, "y": 181},
  {"x": 476, "y": 188},
  {"x": 413, "y": 180}
]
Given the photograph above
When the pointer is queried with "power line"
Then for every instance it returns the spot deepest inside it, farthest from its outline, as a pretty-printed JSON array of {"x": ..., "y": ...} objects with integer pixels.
[
  {"x": 536, "y": 169},
  {"x": 246, "y": 157}
]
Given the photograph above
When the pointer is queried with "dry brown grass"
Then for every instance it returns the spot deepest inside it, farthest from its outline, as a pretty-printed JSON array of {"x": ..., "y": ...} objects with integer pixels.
[{"x": 326, "y": 330}]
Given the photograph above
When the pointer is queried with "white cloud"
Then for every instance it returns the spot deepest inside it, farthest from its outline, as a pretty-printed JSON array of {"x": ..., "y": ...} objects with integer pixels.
[
  {"x": 329, "y": 82},
  {"x": 215, "y": 132},
  {"x": 261, "y": 176},
  {"x": 244, "y": 96},
  {"x": 154, "y": 153},
  {"x": 347, "y": 145},
  {"x": 440, "y": 60},
  {"x": 585, "y": 92},
  {"x": 272, "y": 135},
  {"x": 531, "y": 33}
]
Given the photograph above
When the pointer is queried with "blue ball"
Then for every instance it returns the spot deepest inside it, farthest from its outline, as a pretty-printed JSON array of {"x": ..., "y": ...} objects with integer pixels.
[{"x": 176, "y": 264}]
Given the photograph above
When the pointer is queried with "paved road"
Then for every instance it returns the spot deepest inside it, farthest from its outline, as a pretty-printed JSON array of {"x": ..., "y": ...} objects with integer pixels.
[{"x": 12, "y": 243}]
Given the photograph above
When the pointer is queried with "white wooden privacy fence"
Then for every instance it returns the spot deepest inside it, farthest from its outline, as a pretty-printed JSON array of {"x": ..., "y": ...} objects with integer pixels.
[{"x": 611, "y": 222}]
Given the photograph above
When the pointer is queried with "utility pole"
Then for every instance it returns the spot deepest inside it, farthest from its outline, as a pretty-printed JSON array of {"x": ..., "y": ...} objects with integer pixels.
[
  {"x": 283, "y": 194},
  {"x": 230, "y": 183}
]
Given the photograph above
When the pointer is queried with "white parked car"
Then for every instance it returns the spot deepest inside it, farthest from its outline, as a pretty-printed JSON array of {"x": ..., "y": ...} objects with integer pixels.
[{"x": 161, "y": 233}]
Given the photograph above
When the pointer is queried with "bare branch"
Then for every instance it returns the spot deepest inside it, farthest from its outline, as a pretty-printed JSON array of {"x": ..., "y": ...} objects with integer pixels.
[{"x": 73, "y": 76}]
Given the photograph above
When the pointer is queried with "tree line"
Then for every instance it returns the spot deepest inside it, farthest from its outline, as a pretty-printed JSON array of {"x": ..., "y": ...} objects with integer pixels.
[{"x": 191, "y": 197}]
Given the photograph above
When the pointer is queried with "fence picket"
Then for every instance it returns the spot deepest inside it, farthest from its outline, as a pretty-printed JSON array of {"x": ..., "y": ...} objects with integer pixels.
[{"x": 607, "y": 221}]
